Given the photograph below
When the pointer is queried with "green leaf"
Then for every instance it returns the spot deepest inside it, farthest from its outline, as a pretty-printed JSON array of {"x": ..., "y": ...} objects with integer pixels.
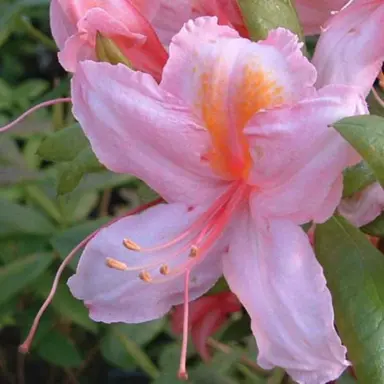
[
  {"x": 63, "y": 242},
  {"x": 72, "y": 172},
  {"x": 366, "y": 134},
  {"x": 16, "y": 219},
  {"x": 65, "y": 304},
  {"x": 354, "y": 269},
  {"x": 375, "y": 228},
  {"x": 57, "y": 349},
  {"x": 14, "y": 277},
  {"x": 63, "y": 145},
  {"x": 10, "y": 11},
  {"x": 357, "y": 178},
  {"x": 121, "y": 350},
  {"x": 261, "y": 16}
]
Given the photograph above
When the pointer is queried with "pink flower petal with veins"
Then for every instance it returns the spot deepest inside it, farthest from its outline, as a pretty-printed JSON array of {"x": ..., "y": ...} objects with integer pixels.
[
  {"x": 364, "y": 206},
  {"x": 349, "y": 50}
]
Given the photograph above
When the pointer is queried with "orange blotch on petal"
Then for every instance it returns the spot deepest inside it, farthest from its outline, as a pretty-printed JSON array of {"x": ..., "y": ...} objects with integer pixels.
[{"x": 257, "y": 90}]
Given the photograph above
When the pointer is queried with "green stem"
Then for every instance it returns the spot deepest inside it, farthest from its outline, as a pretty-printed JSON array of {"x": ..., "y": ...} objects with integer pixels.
[
  {"x": 38, "y": 35},
  {"x": 277, "y": 376},
  {"x": 44, "y": 202}
]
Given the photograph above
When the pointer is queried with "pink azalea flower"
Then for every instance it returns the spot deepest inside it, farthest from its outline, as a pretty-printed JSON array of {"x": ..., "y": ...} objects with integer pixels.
[
  {"x": 75, "y": 23},
  {"x": 351, "y": 49},
  {"x": 314, "y": 14},
  {"x": 364, "y": 206},
  {"x": 207, "y": 315},
  {"x": 236, "y": 139}
]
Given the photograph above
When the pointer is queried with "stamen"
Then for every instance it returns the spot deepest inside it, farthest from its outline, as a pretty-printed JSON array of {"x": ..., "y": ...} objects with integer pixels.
[
  {"x": 194, "y": 251},
  {"x": 131, "y": 245},
  {"x": 116, "y": 264},
  {"x": 165, "y": 270},
  {"x": 182, "y": 374},
  {"x": 26, "y": 345},
  {"x": 33, "y": 109},
  {"x": 145, "y": 276}
]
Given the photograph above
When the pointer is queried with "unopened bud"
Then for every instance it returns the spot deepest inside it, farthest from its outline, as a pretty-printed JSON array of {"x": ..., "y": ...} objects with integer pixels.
[{"x": 108, "y": 51}]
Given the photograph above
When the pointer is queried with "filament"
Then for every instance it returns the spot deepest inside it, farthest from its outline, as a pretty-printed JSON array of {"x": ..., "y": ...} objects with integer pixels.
[{"x": 34, "y": 109}]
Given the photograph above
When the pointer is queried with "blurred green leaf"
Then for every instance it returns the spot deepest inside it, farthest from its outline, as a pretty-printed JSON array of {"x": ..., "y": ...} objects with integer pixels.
[
  {"x": 354, "y": 269},
  {"x": 63, "y": 242},
  {"x": 65, "y": 304},
  {"x": 375, "y": 228},
  {"x": 366, "y": 134},
  {"x": 121, "y": 350},
  {"x": 357, "y": 178},
  {"x": 169, "y": 364},
  {"x": 57, "y": 349},
  {"x": 9, "y": 11},
  {"x": 14, "y": 277},
  {"x": 63, "y": 145},
  {"x": 346, "y": 378},
  {"x": 261, "y": 16},
  {"x": 15, "y": 219},
  {"x": 70, "y": 173}
]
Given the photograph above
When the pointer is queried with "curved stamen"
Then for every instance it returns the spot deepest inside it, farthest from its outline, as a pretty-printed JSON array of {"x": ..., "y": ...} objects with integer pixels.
[
  {"x": 182, "y": 374},
  {"x": 25, "y": 346},
  {"x": 195, "y": 226},
  {"x": 33, "y": 109}
]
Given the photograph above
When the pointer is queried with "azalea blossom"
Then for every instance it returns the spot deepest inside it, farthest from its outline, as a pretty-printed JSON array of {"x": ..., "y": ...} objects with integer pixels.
[
  {"x": 351, "y": 48},
  {"x": 315, "y": 14},
  {"x": 207, "y": 315},
  {"x": 236, "y": 139},
  {"x": 75, "y": 24},
  {"x": 363, "y": 207}
]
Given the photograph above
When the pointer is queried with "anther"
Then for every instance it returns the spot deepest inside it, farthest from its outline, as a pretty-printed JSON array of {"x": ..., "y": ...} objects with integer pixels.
[
  {"x": 164, "y": 270},
  {"x": 145, "y": 276},
  {"x": 193, "y": 252},
  {"x": 131, "y": 245},
  {"x": 116, "y": 264}
]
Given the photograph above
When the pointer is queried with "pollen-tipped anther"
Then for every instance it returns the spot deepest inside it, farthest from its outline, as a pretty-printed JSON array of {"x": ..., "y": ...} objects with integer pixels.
[
  {"x": 131, "y": 245},
  {"x": 116, "y": 264},
  {"x": 145, "y": 276},
  {"x": 165, "y": 270},
  {"x": 194, "y": 251}
]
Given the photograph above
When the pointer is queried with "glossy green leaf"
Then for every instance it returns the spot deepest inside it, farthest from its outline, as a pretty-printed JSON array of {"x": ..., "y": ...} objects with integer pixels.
[
  {"x": 59, "y": 350},
  {"x": 16, "y": 219},
  {"x": 357, "y": 178},
  {"x": 366, "y": 134},
  {"x": 261, "y": 16},
  {"x": 15, "y": 276},
  {"x": 354, "y": 270},
  {"x": 65, "y": 304},
  {"x": 375, "y": 228},
  {"x": 63, "y": 145}
]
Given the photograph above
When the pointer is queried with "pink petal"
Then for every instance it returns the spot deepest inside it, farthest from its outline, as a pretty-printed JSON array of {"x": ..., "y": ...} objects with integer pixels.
[
  {"x": 364, "y": 206},
  {"x": 271, "y": 267},
  {"x": 314, "y": 14},
  {"x": 223, "y": 59},
  {"x": 62, "y": 26},
  {"x": 170, "y": 18},
  {"x": 114, "y": 296},
  {"x": 204, "y": 329},
  {"x": 349, "y": 50},
  {"x": 298, "y": 159},
  {"x": 135, "y": 127}
]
